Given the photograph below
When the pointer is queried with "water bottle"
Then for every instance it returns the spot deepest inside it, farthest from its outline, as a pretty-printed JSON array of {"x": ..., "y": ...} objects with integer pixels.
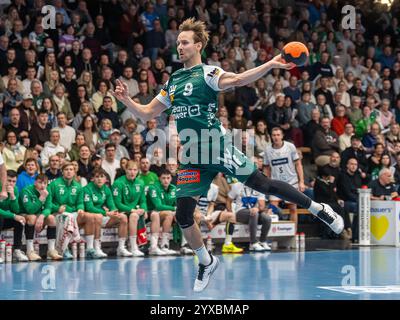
[
  {"x": 74, "y": 247},
  {"x": 82, "y": 249},
  {"x": 209, "y": 244},
  {"x": 2, "y": 250},
  {"x": 36, "y": 247},
  {"x": 302, "y": 241},
  {"x": 9, "y": 252},
  {"x": 297, "y": 245}
]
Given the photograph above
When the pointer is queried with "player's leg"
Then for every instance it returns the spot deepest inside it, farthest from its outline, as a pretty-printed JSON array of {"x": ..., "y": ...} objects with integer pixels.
[
  {"x": 191, "y": 231},
  {"x": 324, "y": 212},
  {"x": 185, "y": 248},
  {"x": 155, "y": 231},
  {"x": 100, "y": 222},
  {"x": 87, "y": 221},
  {"x": 132, "y": 228},
  {"x": 230, "y": 219},
  {"x": 166, "y": 219},
  {"x": 50, "y": 222},
  {"x": 18, "y": 229},
  {"x": 265, "y": 221},
  {"x": 121, "y": 222},
  {"x": 251, "y": 219},
  {"x": 29, "y": 234}
]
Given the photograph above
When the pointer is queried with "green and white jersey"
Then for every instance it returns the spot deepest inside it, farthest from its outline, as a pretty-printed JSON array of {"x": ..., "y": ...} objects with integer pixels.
[{"x": 191, "y": 97}]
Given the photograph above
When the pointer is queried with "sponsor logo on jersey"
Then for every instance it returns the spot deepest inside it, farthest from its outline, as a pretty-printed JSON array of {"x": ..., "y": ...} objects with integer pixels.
[
  {"x": 279, "y": 162},
  {"x": 213, "y": 73},
  {"x": 171, "y": 92},
  {"x": 188, "y": 176},
  {"x": 180, "y": 112}
]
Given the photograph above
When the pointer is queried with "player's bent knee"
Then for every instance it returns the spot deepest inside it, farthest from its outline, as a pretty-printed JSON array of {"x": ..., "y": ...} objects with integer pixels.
[{"x": 184, "y": 211}]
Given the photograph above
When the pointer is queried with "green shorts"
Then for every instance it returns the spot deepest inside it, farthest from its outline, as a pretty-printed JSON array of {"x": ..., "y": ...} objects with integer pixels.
[{"x": 195, "y": 179}]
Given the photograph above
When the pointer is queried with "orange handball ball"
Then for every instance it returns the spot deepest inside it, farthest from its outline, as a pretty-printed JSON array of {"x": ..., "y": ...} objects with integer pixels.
[{"x": 295, "y": 52}]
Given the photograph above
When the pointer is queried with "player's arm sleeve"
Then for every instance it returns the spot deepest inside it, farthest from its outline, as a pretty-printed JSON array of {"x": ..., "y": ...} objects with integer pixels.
[
  {"x": 163, "y": 96},
  {"x": 212, "y": 74},
  {"x": 156, "y": 201},
  {"x": 6, "y": 214},
  {"x": 110, "y": 200},
  {"x": 14, "y": 204},
  {"x": 30, "y": 206},
  {"x": 143, "y": 200},
  {"x": 79, "y": 202},
  {"x": 117, "y": 194},
  {"x": 89, "y": 206},
  {"x": 293, "y": 153}
]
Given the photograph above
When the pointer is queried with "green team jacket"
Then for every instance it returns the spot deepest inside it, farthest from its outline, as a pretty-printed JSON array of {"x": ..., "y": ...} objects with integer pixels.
[
  {"x": 128, "y": 194},
  {"x": 149, "y": 179},
  {"x": 30, "y": 203},
  {"x": 62, "y": 193},
  {"x": 159, "y": 199},
  {"x": 94, "y": 198},
  {"x": 9, "y": 207}
]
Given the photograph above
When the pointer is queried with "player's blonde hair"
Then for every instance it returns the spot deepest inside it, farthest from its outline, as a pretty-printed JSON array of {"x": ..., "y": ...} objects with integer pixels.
[{"x": 199, "y": 28}]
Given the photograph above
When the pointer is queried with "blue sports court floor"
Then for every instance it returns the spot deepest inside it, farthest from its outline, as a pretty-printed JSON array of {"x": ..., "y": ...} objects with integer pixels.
[{"x": 371, "y": 273}]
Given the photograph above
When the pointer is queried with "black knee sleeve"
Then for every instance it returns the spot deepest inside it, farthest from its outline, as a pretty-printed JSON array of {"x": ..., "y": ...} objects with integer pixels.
[
  {"x": 283, "y": 190},
  {"x": 184, "y": 211},
  {"x": 51, "y": 232},
  {"x": 29, "y": 231}
]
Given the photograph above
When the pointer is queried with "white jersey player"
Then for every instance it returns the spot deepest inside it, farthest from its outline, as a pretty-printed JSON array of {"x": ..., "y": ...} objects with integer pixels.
[{"x": 283, "y": 163}]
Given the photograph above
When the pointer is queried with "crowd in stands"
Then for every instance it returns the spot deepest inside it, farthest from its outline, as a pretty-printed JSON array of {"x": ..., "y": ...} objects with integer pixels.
[{"x": 344, "y": 104}]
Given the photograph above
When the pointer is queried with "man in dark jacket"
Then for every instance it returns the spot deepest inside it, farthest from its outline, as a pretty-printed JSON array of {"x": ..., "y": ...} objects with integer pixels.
[
  {"x": 325, "y": 143},
  {"x": 40, "y": 131},
  {"x": 277, "y": 115},
  {"x": 106, "y": 112},
  {"x": 349, "y": 181},
  {"x": 355, "y": 151}
]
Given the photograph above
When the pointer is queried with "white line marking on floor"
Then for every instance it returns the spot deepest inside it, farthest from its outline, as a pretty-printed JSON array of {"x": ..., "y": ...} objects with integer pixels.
[
  {"x": 20, "y": 290},
  {"x": 152, "y": 295},
  {"x": 100, "y": 293},
  {"x": 47, "y": 291},
  {"x": 73, "y": 292},
  {"x": 126, "y": 294},
  {"x": 206, "y": 298},
  {"x": 184, "y": 297}
]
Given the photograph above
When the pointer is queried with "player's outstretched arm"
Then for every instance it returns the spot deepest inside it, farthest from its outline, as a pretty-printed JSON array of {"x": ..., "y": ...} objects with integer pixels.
[
  {"x": 143, "y": 112},
  {"x": 230, "y": 80}
]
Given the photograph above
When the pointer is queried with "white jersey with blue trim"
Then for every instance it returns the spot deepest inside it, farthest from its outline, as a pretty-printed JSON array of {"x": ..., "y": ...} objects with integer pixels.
[
  {"x": 244, "y": 197},
  {"x": 281, "y": 162}
]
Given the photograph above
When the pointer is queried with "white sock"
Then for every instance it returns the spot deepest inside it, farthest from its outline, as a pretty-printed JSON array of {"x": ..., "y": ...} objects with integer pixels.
[
  {"x": 132, "y": 240},
  {"x": 121, "y": 243},
  {"x": 154, "y": 240},
  {"x": 29, "y": 245},
  {"x": 89, "y": 241},
  {"x": 203, "y": 255},
  {"x": 97, "y": 245},
  {"x": 315, "y": 207},
  {"x": 51, "y": 244},
  {"x": 164, "y": 240},
  {"x": 183, "y": 241},
  {"x": 228, "y": 239}
]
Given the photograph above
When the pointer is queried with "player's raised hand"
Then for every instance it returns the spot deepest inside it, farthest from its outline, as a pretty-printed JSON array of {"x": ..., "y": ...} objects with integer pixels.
[
  {"x": 279, "y": 62},
  {"x": 121, "y": 91}
]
